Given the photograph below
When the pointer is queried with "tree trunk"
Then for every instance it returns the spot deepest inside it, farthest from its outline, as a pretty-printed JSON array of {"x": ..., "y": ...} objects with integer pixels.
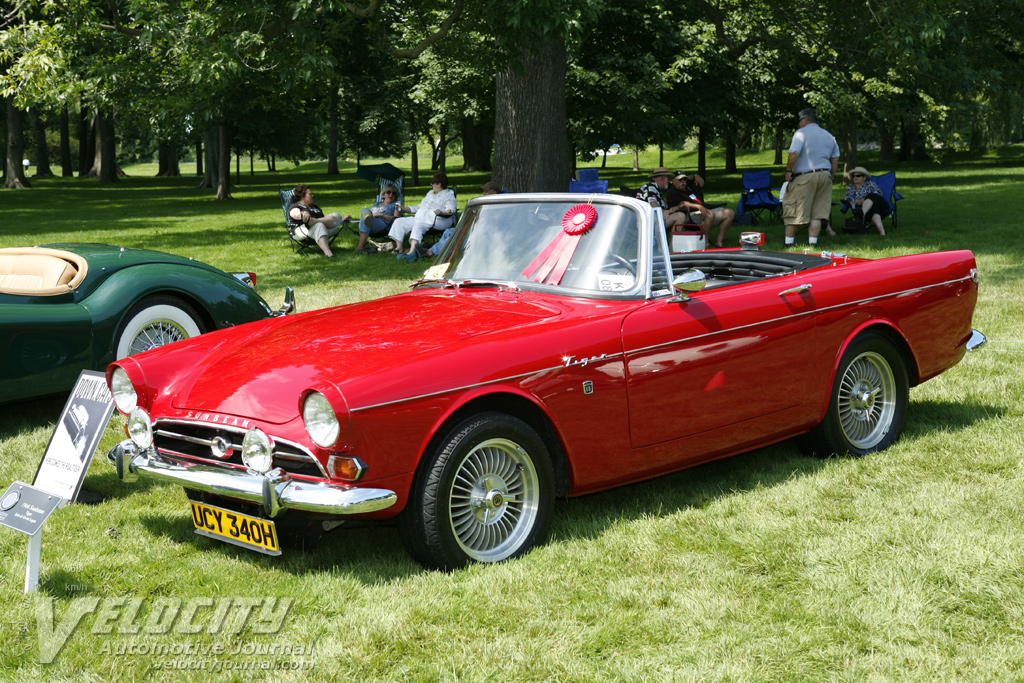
[
  {"x": 442, "y": 148},
  {"x": 849, "y": 143},
  {"x": 66, "y": 169},
  {"x": 199, "y": 157},
  {"x": 86, "y": 145},
  {"x": 14, "y": 172},
  {"x": 912, "y": 143},
  {"x": 636, "y": 159},
  {"x": 531, "y": 143},
  {"x": 39, "y": 141},
  {"x": 167, "y": 165},
  {"x": 702, "y": 152},
  {"x": 224, "y": 172},
  {"x": 661, "y": 153},
  {"x": 332, "y": 149},
  {"x": 778, "y": 147},
  {"x": 730, "y": 156},
  {"x": 477, "y": 143},
  {"x": 414, "y": 156},
  {"x": 886, "y": 142},
  {"x": 332, "y": 128},
  {"x": 212, "y": 156},
  {"x": 104, "y": 166}
]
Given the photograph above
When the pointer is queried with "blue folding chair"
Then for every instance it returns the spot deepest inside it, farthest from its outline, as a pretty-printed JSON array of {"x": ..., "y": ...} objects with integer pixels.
[
  {"x": 589, "y": 186},
  {"x": 586, "y": 174},
  {"x": 757, "y": 198},
  {"x": 887, "y": 184}
]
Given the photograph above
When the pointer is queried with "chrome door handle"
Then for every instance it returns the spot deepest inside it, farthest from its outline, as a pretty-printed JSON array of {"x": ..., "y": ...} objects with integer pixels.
[{"x": 795, "y": 290}]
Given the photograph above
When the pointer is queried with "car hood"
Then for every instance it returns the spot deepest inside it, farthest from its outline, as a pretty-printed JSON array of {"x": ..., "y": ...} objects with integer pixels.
[{"x": 373, "y": 352}]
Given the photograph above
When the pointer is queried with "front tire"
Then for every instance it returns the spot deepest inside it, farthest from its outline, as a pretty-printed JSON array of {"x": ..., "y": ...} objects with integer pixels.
[
  {"x": 484, "y": 493},
  {"x": 155, "y": 321},
  {"x": 868, "y": 403}
]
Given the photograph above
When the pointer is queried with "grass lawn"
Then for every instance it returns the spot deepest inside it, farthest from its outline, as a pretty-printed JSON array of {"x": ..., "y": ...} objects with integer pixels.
[{"x": 903, "y": 565}]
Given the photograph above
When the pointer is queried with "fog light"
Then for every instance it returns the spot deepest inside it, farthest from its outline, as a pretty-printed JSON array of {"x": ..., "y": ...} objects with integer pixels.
[
  {"x": 346, "y": 468},
  {"x": 140, "y": 428},
  {"x": 257, "y": 451},
  {"x": 122, "y": 390}
]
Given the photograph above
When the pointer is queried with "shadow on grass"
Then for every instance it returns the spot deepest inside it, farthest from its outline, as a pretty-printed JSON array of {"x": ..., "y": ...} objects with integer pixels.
[
  {"x": 17, "y": 418},
  {"x": 373, "y": 553}
]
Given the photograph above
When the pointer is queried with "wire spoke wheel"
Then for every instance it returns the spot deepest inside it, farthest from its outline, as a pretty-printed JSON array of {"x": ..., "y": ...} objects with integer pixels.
[
  {"x": 494, "y": 500},
  {"x": 867, "y": 401},
  {"x": 157, "y": 333}
]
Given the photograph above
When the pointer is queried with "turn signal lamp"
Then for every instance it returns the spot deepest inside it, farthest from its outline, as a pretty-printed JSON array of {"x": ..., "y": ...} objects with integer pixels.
[{"x": 346, "y": 468}]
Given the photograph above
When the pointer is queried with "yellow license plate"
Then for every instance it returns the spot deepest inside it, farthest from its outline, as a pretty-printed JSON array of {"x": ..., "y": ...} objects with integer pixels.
[{"x": 234, "y": 527}]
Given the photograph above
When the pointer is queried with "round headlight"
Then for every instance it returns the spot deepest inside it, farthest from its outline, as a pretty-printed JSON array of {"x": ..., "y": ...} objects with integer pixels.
[
  {"x": 122, "y": 390},
  {"x": 257, "y": 450},
  {"x": 140, "y": 428},
  {"x": 321, "y": 422}
]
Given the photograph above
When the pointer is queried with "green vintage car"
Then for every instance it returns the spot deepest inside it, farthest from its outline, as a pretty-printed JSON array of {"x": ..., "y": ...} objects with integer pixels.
[{"x": 69, "y": 307}]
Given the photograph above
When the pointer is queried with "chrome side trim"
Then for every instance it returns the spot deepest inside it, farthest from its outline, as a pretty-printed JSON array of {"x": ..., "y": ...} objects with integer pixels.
[
  {"x": 664, "y": 344},
  {"x": 465, "y": 387},
  {"x": 815, "y": 311},
  {"x": 275, "y": 490},
  {"x": 976, "y": 341}
]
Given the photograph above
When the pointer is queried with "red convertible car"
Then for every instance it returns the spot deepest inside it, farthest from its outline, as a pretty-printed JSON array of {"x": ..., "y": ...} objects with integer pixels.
[{"x": 545, "y": 353}]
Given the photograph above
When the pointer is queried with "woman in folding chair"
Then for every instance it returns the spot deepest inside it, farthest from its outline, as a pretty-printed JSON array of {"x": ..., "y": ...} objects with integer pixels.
[
  {"x": 307, "y": 220},
  {"x": 435, "y": 211},
  {"x": 378, "y": 218},
  {"x": 866, "y": 199}
]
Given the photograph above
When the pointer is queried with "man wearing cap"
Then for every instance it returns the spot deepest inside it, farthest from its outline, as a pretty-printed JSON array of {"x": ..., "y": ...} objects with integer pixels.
[
  {"x": 651, "y": 193},
  {"x": 687, "y": 193},
  {"x": 812, "y": 162}
]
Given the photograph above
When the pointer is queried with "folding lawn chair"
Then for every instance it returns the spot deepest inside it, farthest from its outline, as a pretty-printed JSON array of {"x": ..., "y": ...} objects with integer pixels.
[
  {"x": 301, "y": 244},
  {"x": 757, "y": 198}
]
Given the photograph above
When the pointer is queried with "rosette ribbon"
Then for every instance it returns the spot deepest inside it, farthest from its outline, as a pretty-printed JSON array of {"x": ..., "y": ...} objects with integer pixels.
[{"x": 551, "y": 263}]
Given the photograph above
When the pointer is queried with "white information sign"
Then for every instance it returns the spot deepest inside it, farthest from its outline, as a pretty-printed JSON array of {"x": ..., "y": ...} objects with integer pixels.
[{"x": 74, "y": 440}]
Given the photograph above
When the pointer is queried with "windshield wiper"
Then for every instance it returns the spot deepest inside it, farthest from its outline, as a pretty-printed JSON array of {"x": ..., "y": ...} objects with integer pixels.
[
  {"x": 436, "y": 281},
  {"x": 511, "y": 286}
]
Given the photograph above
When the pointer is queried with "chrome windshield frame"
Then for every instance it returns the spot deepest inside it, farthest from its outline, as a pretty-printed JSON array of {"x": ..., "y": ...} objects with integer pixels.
[{"x": 646, "y": 217}]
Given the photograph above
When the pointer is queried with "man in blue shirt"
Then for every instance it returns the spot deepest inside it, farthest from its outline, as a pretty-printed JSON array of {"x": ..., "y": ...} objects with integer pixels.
[{"x": 812, "y": 163}]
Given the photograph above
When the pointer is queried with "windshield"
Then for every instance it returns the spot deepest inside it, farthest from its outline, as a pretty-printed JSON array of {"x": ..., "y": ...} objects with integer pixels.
[{"x": 566, "y": 244}]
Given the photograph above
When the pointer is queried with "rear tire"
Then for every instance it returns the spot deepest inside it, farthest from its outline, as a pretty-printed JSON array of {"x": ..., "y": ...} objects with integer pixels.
[
  {"x": 484, "y": 493},
  {"x": 155, "y": 321},
  {"x": 868, "y": 404}
]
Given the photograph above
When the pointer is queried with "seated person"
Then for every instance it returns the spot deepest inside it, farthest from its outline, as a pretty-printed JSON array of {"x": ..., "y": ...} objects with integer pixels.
[
  {"x": 687, "y": 196},
  {"x": 307, "y": 220},
  {"x": 435, "y": 211},
  {"x": 866, "y": 198},
  {"x": 651, "y": 193},
  {"x": 489, "y": 187},
  {"x": 378, "y": 218}
]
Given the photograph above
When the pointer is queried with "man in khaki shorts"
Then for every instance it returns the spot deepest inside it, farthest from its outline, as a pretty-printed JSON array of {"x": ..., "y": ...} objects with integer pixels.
[{"x": 813, "y": 160}]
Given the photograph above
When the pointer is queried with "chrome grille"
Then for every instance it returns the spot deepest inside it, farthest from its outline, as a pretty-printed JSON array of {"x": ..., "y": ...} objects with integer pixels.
[{"x": 198, "y": 440}]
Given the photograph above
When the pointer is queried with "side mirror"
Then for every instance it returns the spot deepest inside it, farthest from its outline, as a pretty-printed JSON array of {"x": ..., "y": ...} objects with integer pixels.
[{"x": 689, "y": 282}]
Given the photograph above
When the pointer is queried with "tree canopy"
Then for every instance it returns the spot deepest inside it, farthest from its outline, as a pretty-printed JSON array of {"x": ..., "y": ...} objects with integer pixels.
[{"x": 533, "y": 80}]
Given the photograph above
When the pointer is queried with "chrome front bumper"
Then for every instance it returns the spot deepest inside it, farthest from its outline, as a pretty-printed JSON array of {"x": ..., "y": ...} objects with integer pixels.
[{"x": 275, "y": 490}]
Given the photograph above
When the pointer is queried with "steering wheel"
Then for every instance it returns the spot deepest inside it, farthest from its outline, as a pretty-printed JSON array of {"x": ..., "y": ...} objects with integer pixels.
[{"x": 630, "y": 267}]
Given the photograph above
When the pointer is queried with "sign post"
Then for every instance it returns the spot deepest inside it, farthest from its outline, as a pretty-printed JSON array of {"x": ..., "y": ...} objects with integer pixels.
[
  {"x": 59, "y": 478},
  {"x": 24, "y": 508}
]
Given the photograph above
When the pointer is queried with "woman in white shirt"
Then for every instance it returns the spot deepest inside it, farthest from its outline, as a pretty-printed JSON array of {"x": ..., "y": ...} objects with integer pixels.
[{"x": 435, "y": 211}]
